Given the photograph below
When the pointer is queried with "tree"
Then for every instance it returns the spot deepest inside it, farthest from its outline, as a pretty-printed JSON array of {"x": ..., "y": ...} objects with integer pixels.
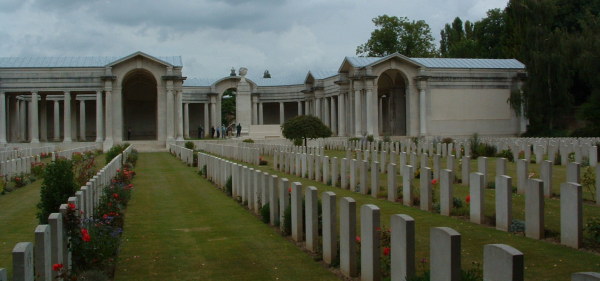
[
  {"x": 398, "y": 35},
  {"x": 228, "y": 107},
  {"x": 305, "y": 127}
]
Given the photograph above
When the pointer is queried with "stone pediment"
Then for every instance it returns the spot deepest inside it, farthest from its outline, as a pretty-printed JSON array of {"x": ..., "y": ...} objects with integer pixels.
[{"x": 166, "y": 61}]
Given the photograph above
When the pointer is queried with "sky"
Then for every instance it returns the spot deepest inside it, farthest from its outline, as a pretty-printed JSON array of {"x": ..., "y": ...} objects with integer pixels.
[{"x": 287, "y": 37}]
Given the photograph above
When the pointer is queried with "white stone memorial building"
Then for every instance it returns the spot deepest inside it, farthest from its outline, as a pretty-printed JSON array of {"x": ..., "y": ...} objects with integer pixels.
[{"x": 145, "y": 97}]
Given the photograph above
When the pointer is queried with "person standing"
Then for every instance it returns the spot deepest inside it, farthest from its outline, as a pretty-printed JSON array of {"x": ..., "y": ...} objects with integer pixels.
[
  {"x": 238, "y": 130},
  {"x": 223, "y": 131},
  {"x": 200, "y": 131},
  {"x": 212, "y": 132},
  {"x": 129, "y": 133}
]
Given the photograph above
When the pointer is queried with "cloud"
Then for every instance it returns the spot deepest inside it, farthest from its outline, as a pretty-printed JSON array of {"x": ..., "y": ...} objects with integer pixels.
[{"x": 286, "y": 37}]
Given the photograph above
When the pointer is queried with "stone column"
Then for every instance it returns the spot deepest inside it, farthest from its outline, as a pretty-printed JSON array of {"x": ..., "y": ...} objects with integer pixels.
[
  {"x": 380, "y": 114},
  {"x": 99, "y": 117},
  {"x": 67, "y": 117},
  {"x": 186, "y": 120},
  {"x": 82, "y": 120},
  {"x": 206, "y": 124},
  {"x": 22, "y": 120},
  {"x": 56, "y": 120},
  {"x": 33, "y": 119},
  {"x": 213, "y": 110},
  {"x": 333, "y": 114},
  {"x": 254, "y": 111},
  {"x": 299, "y": 108},
  {"x": 261, "y": 114},
  {"x": 170, "y": 115},
  {"x": 108, "y": 109},
  {"x": 422, "y": 108},
  {"x": 341, "y": 126},
  {"x": 43, "y": 119},
  {"x": 3, "y": 118},
  {"x": 326, "y": 112},
  {"x": 74, "y": 129},
  {"x": 371, "y": 115},
  {"x": 281, "y": 113},
  {"x": 318, "y": 108},
  {"x": 179, "y": 104},
  {"x": 357, "y": 114}
]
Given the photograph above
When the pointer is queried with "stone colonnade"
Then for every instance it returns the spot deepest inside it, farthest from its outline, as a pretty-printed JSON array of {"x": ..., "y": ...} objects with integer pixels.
[{"x": 25, "y": 116}]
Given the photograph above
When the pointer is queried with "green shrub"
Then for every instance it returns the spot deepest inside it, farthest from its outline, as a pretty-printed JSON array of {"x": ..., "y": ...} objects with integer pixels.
[
  {"x": 298, "y": 142},
  {"x": 370, "y": 138},
  {"x": 506, "y": 154},
  {"x": 287, "y": 220},
  {"x": 248, "y": 141},
  {"x": 353, "y": 139},
  {"x": 56, "y": 189},
  {"x": 447, "y": 140},
  {"x": 229, "y": 186},
  {"x": 592, "y": 231},
  {"x": 115, "y": 151},
  {"x": 132, "y": 157},
  {"x": 265, "y": 213},
  {"x": 387, "y": 138},
  {"x": 189, "y": 145},
  {"x": 37, "y": 169}
]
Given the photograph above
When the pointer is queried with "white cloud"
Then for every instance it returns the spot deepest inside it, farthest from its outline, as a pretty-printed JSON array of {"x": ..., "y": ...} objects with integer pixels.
[{"x": 213, "y": 36}]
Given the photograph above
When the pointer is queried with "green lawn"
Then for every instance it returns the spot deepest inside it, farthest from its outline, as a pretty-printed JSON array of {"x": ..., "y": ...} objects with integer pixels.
[
  {"x": 18, "y": 219},
  {"x": 179, "y": 227},
  {"x": 544, "y": 260}
]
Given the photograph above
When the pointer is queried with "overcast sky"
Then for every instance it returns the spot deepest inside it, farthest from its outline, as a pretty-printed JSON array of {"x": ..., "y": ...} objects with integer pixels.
[{"x": 285, "y": 36}]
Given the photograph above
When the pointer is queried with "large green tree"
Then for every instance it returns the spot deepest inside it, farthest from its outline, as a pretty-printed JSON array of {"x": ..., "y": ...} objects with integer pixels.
[
  {"x": 398, "y": 35},
  {"x": 228, "y": 107},
  {"x": 304, "y": 127}
]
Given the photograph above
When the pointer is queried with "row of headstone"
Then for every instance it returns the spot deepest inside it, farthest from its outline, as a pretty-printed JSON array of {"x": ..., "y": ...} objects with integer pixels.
[
  {"x": 69, "y": 152},
  {"x": 33, "y": 261},
  {"x": 234, "y": 151},
  {"x": 16, "y": 166},
  {"x": 9, "y": 154},
  {"x": 185, "y": 154},
  {"x": 501, "y": 262}
]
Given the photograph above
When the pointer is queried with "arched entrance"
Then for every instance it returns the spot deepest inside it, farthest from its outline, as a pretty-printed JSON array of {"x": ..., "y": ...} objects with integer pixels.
[
  {"x": 391, "y": 93},
  {"x": 139, "y": 106},
  {"x": 228, "y": 109}
]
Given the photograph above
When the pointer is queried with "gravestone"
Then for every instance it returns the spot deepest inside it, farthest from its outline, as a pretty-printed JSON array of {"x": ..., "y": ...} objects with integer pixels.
[
  {"x": 297, "y": 222},
  {"x": 334, "y": 171},
  {"x": 364, "y": 187},
  {"x": 284, "y": 199},
  {"x": 407, "y": 178},
  {"x": 502, "y": 263},
  {"x": 436, "y": 166},
  {"x": 311, "y": 215},
  {"x": 476, "y": 190},
  {"x": 571, "y": 215},
  {"x": 446, "y": 200},
  {"x": 57, "y": 236},
  {"x": 573, "y": 172},
  {"x": 534, "y": 209},
  {"x": 3, "y": 275},
  {"x": 503, "y": 202},
  {"x": 352, "y": 172},
  {"x": 273, "y": 200},
  {"x": 326, "y": 166},
  {"x": 585, "y": 276},
  {"x": 375, "y": 178},
  {"x": 522, "y": 176},
  {"x": 391, "y": 183},
  {"x": 466, "y": 170},
  {"x": 370, "y": 243},
  {"x": 482, "y": 167},
  {"x": 402, "y": 242},
  {"x": 344, "y": 174},
  {"x": 501, "y": 166},
  {"x": 425, "y": 189},
  {"x": 445, "y": 255},
  {"x": 348, "y": 264},
  {"x": 22, "y": 255},
  {"x": 329, "y": 227},
  {"x": 42, "y": 254},
  {"x": 546, "y": 175}
]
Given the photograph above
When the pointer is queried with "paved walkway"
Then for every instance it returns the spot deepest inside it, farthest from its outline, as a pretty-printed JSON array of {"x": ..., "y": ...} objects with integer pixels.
[{"x": 179, "y": 227}]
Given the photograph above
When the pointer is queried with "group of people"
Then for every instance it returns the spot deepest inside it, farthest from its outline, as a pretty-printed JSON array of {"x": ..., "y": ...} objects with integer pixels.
[{"x": 221, "y": 132}]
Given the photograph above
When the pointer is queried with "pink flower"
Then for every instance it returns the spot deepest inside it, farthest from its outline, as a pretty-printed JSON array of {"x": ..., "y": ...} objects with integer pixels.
[{"x": 357, "y": 239}]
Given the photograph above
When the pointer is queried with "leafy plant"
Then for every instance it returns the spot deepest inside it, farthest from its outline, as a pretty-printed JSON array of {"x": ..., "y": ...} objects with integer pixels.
[
  {"x": 265, "y": 213},
  {"x": 58, "y": 185},
  {"x": 506, "y": 154},
  {"x": 248, "y": 141},
  {"x": 229, "y": 186},
  {"x": 115, "y": 151},
  {"x": 305, "y": 127},
  {"x": 190, "y": 145},
  {"x": 589, "y": 180}
]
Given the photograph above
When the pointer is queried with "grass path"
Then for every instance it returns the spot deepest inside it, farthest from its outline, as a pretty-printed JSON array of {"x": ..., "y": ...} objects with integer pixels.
[
  {"x": 18, "y": 210},
  {"x": 179, "y": 227}
]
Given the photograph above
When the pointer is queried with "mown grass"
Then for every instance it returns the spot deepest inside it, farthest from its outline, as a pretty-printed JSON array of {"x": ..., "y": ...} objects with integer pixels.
[
  {"x": 178, "y": 226},
  {"x": 18, "y": 217},
  {"x": 544, "y": 260}
]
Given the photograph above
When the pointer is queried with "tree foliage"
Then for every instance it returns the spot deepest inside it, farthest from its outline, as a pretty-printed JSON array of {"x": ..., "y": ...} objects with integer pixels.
[
  {"x": 305, "y": 127},
  {"x": 228, "y": 107},
  {"x": 58, "y": 186},
  {"x": 398, "y": 35}
]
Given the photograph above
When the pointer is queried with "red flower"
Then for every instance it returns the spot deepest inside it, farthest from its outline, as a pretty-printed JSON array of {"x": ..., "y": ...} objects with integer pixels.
[
  {"x": 289, "y": 190},
  {"x": 130, "y": 185},
  {"x": 71, "y": 206},
  {"x": 118, "y": 170},
  {"x": 378, "y": 229},
  {"x": 386, "y": 251},
  {"x": 357, "y": 239},
  {"x": 434, "y": 181},
  {"x": 57, "y": 266},
  {"x": 105, "y": 216},
  {"x": 85, "y": 236},
  {"x": 468, "y": 199},
  {"x": 116, "y": 195}
]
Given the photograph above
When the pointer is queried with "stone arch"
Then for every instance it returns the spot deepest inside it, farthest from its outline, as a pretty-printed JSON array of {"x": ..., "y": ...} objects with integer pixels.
[
  {"x": 392, "y": 89},
  {"x": 140, "y": 105}
]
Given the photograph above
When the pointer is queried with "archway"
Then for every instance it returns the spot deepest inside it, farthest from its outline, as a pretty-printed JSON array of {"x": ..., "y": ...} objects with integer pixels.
[
  {"x": 139, "y": 106},
  {"x": 391, "y": 92},
  {"x": 228, "y": 109}
]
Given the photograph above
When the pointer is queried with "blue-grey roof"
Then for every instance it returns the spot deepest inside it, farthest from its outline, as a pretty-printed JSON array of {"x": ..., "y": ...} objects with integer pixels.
[
  {"x": 275, "y": 80},
  {"x": 198, "y": 82},
  {"x": 443, "y": 62},
  {"x": 31, "y": 62},
  {"x": 470, "y": 63},
  {"x": 322, "y": 74}
]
